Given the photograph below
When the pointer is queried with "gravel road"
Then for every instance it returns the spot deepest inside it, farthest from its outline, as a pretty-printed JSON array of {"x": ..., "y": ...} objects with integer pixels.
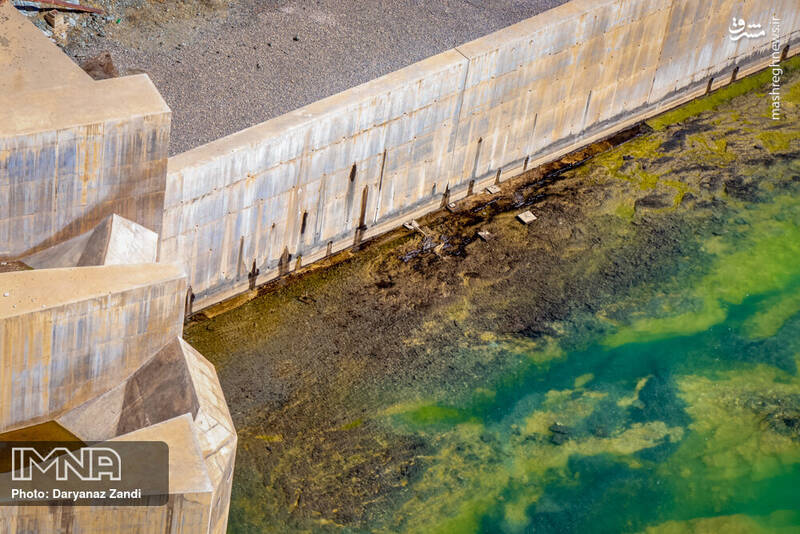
[{"x": 222, "y": 68}]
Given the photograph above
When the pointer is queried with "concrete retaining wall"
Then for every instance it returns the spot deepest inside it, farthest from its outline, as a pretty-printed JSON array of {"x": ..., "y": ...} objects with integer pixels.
[
  {"x": 243, "y": 209},
  {"x": 69, "y": 335},
  {"x": 72, "y": 150}
]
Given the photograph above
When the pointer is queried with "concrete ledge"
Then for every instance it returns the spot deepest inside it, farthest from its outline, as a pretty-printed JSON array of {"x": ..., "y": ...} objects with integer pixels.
[
  {"x": 67, "y": 335},
  {"x": 72, "y": 150}
]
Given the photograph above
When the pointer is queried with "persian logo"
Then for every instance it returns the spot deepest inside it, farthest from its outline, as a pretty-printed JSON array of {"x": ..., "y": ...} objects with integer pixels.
[
  {"x": 740, "y": 29},
  {"x": 87, "y": 464}
]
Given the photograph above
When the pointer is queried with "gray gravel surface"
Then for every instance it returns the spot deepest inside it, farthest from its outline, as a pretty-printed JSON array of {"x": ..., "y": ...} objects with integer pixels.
[{"x": 224, "y": 68}]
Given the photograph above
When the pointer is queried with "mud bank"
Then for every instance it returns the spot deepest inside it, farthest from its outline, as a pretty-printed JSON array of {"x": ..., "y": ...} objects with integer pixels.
[{"x": 446, "y": 382}]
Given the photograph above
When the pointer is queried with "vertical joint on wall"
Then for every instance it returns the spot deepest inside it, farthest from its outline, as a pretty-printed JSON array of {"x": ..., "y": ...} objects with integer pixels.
[
  {"x": 189, "y": 301},
  {"x": 734, "y": 74},
  {"x": 253, "y": 275},
  {"x": 497, "y": 176},
  {"x": 525, "y": 164},
  {"x": 362, "y": 218},
  {"x": 380, "y": 188},
  {"x": 303, "y": 223},
  {"x": 477, "y": 157},
  {"x": 283, "y": 264},
  {"x": 785, "y": 53},
  {"x": 710, "y": 83},
  {"x": 240, "y": 259}
]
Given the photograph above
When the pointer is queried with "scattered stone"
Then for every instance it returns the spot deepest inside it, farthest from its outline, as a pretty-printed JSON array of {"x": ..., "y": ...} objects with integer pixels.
[
  {"x": 306, "y": 299},
  {"x": 558, "y": 428},
  {"x": 100, "y": 67},
  {"x": 485, "y": 235},
  {"x": 295, "y": 38},
  {"x": 493, "y": 189},
  {"x": 560, "y": 432},
  {"x": 56, "y": 21},
  {"x": 526, "y": 217}
]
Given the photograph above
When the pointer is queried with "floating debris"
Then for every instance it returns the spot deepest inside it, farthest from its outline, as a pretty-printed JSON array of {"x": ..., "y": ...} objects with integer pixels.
[
  {"x": 485, "y": 235},
  {"x": 526, "y": 217},
  {"x": 451, "y": 207},
  {"x": 493, "y": 189}
]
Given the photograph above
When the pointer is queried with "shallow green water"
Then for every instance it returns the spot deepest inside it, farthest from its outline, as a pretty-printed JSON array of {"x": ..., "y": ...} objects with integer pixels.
[
  {"x": 627, "y": 364},
  {"x": 688, "y": 409}
]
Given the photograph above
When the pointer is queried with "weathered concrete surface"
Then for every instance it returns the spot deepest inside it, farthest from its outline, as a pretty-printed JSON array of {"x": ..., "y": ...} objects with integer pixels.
[
  {"x": 175, "y": 383},
  {"x": 90, "y": 343},
  {"x": 188, "y": 510},
  {"x": 115, "y": 241},
  {"x": 244, "y": 209},
  {"x": 125, "y": 374},
  {"x": 243, "y": 198},
  {"x": 72, "y": 151},
  {"x": 68, "y": 335}
]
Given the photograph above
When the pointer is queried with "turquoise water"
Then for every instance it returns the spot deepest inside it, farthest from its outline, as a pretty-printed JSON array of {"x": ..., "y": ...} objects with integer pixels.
[
  {"x": 684, "y": 415},
  {"x": 628, "y": 365}
]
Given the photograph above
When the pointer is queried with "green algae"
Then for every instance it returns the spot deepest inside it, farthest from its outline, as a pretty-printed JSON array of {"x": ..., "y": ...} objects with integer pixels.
[
  {"x": 625, "y": 210},
  {"x": 779, "y": 522},
  {"x": 475, "y": 466},
  {"x": 680, "y": 188},
  {"x": 764, "y": 262},
  {"x": 661, "y": 409},
  {"x": 771, "y": 315},
  {"x": 435, "y": 414},
  {"x": 720, "y": 97},
  {"x": 712, "y": 150},
  {"x": 614, "y": 160},
  {"x": 353, "y": 424},
  {"x": 778, "y": 141}
]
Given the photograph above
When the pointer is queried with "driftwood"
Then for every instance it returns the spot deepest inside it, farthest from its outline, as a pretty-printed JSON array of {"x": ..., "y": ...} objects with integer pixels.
[{"x": 67, "y": 5}]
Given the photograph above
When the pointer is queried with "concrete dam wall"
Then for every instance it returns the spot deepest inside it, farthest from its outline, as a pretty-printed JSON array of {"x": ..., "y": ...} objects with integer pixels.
[
  {"x": 90, "y": 324},
  {"x": 72, "y": 156},
  {"x": 246, "y": 208}
]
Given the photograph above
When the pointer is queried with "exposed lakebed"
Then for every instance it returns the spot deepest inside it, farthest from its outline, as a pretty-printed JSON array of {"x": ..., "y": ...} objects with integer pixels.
[{"x": 627, "y": 362}]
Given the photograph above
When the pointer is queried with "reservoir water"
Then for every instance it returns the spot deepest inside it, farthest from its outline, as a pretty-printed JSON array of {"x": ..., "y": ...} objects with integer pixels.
[{"x": 626, "y": 363}]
